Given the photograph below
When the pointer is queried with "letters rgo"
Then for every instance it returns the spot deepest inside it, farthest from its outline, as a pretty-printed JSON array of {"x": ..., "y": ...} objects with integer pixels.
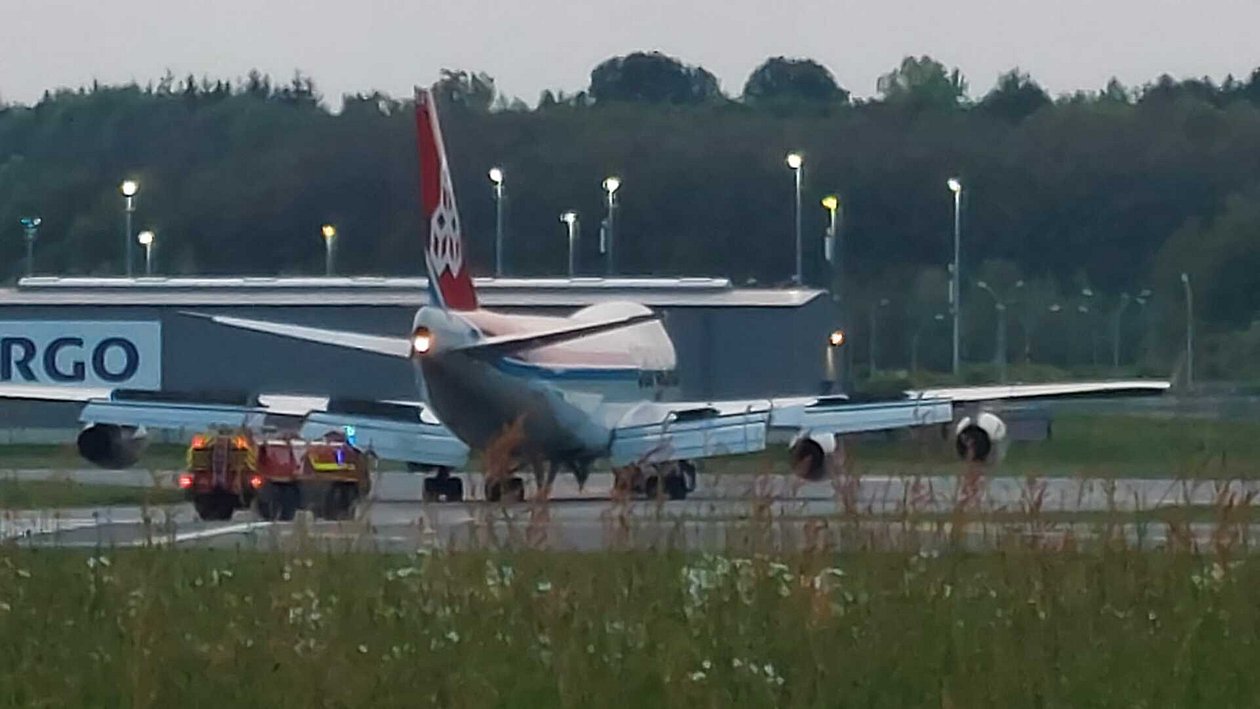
[
  {"x": 18, "y": 355},
  {"x": 81, "y": 352}
]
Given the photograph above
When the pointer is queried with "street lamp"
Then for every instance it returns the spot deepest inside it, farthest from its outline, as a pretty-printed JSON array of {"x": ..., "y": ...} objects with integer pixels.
[
  {"x": 831, "y": 203},
  {"x": 30, "y": 225},
  {"x": 611, "y": 185},
  {"x": 128, "y": 188},
  {"x": 796, "y": 162},
  {"x": 570, "y": 218},
  {"x": 146, "y": 240},
  {"x": 329, "y": 232},
  {"x": 1185, "y": 281},
  {"x": 496, "y": 177},
  {"x": 999, "y": 345},
  {"x": 882, "y": 303},
  {"x": 1125, "y": 299},
  {"x": 955, "y": 289}
]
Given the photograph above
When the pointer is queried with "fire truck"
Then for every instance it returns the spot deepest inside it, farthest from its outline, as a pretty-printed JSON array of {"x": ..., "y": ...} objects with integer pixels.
[{"x": 275, "y": 474}]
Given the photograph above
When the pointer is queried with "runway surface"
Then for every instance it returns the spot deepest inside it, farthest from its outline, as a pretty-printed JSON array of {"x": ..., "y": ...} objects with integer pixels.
[{"x": 725, "y": 512}]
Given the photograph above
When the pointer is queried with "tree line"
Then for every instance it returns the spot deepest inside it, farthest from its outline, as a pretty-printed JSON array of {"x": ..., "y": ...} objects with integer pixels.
[{"x": 1080, "y": 211}]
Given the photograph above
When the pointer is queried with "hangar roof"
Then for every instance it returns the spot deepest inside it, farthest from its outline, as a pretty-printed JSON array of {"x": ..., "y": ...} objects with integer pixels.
[{"x": 368, "y": 290}]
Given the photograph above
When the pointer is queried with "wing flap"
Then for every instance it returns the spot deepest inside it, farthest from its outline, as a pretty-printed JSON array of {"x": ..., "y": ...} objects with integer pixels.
[
  {"x": 391, "y": 438},
  {"x": 828, "y": 415},
  {"x": 658, "y": 433},
  {"x": 171, "y": 415},
  {"x": 391, "y": 430}
]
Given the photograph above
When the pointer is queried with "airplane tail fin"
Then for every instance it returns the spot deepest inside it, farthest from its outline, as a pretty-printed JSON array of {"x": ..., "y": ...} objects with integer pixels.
[{"x": 450, "y": 284}]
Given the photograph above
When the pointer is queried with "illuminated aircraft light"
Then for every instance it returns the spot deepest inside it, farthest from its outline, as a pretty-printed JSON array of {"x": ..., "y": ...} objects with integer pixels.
[
  {"x": 836, "y": 338},
  {"x": 421, "y": 341}
]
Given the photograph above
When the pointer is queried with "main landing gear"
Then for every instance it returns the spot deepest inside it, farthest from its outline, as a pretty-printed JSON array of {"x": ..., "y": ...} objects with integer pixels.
[
  {"x": 443, "y": 487},
  {"x": 668, "y": 481}
]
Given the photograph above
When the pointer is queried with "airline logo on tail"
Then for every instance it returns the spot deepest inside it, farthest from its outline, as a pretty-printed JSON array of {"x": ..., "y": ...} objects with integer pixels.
[{"x": 450, "y": 285}]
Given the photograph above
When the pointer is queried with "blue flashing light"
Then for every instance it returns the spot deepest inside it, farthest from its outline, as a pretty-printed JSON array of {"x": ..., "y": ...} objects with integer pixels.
[{"x": 351, "y": 434}]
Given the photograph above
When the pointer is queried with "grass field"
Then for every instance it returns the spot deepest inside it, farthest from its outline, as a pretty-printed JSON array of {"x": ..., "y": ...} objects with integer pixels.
[
  {"x": 1091, "y": 446},
  {"x": 1081, "y": 446},
  {"x": 1016, "y": 628},
  {"x": 38, "y": 494}
]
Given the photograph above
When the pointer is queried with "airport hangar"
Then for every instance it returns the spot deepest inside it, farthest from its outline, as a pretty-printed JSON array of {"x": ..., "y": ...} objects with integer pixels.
[{"x": 136, "y": 333}]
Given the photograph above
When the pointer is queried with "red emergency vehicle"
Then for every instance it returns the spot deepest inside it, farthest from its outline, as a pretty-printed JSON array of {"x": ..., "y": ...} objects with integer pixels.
[{"x": 276, "y": 475}]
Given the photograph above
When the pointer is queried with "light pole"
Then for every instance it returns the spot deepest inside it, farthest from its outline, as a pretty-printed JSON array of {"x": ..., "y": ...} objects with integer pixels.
[
  {"x": 570, "y": 218},
  {"x": 999, "y": 344},
  {"x": 611, "y": 184},
  {"x": 882, "y": 303},
  {"x": 128, "y": 188},
  {"x": 146, "y": 240},
  {"x": 1185, "y": 281},
  {"x": 30, "y": 225},
  {"x": 955, "y": 289},
  {"x": 496, "y": 177},
  {"x": 1125, "y": 299},
  {"x": 329, "y": 232},
  {"x": 797, "y": 163}
]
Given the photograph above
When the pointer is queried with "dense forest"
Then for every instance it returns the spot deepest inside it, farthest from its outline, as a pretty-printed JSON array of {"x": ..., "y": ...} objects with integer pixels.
[{"x": 1080, "y": 211}]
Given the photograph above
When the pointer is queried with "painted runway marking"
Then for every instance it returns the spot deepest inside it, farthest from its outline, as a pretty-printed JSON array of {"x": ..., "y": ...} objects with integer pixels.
[{"x": 208, "y": 533}]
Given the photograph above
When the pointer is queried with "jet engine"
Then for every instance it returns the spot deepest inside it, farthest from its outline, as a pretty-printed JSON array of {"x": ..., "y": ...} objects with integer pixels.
[
  {"x": 981, "y": 438},
  {"x": 809, "y": 454},
  {"x": 110, "y": 446}
]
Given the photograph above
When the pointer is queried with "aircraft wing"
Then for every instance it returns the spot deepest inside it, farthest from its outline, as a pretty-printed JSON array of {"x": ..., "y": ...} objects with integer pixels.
[
  {"x": 660, "y": 432},
  {"x": 393, "y": 430},
  {"x": 1064, "y": 390}
]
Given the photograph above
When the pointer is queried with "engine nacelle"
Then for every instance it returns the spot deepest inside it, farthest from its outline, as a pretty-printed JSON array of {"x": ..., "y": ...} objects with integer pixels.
[
  {"x": 110, "y": 446},
  {"x": 809, "y": 453},
  {"x": 981, "y": 439}
]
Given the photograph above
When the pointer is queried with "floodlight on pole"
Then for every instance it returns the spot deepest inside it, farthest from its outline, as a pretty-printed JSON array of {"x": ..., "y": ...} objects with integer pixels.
[
  {"x": 1185, "y": 282},
  {"x": 30, "y": 228},
  {"x": 496, "y": 177},
  {"x": 955, "y": 283},
  {"x": 999, "y": 340},
  {"x": 570, "y": 219},
  {"x": 831, "y": 203},
  {"x": 796, "y": 162},
  {"x": 129, "y": 190},
  {"x": 329, "y": 232},
  {"x": 146, "y": 240},
  {"x": 611, "y": 184}
]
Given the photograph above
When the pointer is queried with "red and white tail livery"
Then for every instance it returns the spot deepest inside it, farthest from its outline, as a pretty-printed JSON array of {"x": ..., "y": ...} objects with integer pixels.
[{"x": 450, "y": 283}]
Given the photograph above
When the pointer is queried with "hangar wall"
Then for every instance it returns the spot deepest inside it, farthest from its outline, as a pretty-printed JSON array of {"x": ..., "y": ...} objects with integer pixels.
[{"x": 731, "y": 343}]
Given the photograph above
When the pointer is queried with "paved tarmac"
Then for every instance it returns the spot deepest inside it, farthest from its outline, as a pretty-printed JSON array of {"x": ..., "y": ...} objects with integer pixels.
[{"x": 726, "y": 512}]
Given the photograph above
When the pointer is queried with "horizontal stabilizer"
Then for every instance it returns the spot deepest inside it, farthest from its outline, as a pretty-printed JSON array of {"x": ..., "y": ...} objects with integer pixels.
[
  {"x": 507, "y": 344},
  {"x": 378, "y": 344}
]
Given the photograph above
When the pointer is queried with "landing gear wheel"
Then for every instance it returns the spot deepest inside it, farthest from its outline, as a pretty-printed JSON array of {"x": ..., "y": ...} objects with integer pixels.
[
  {"x": 509, "y": 490},
  {"x": 214, "y": 506},
  {"x": 340, "y": 500},
  {"x": 277, "y": 501},
  {"x": 443, "y": 486},
  {"x": 675, "y": 485}
]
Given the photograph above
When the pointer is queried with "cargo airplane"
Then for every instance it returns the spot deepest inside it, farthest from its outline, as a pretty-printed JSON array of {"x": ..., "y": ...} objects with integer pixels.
[{"x": 567, "y": 391}]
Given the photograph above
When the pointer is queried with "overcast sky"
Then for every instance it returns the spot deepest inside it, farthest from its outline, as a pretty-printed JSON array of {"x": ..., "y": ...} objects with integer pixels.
[{"x": 531, "y": 45}]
